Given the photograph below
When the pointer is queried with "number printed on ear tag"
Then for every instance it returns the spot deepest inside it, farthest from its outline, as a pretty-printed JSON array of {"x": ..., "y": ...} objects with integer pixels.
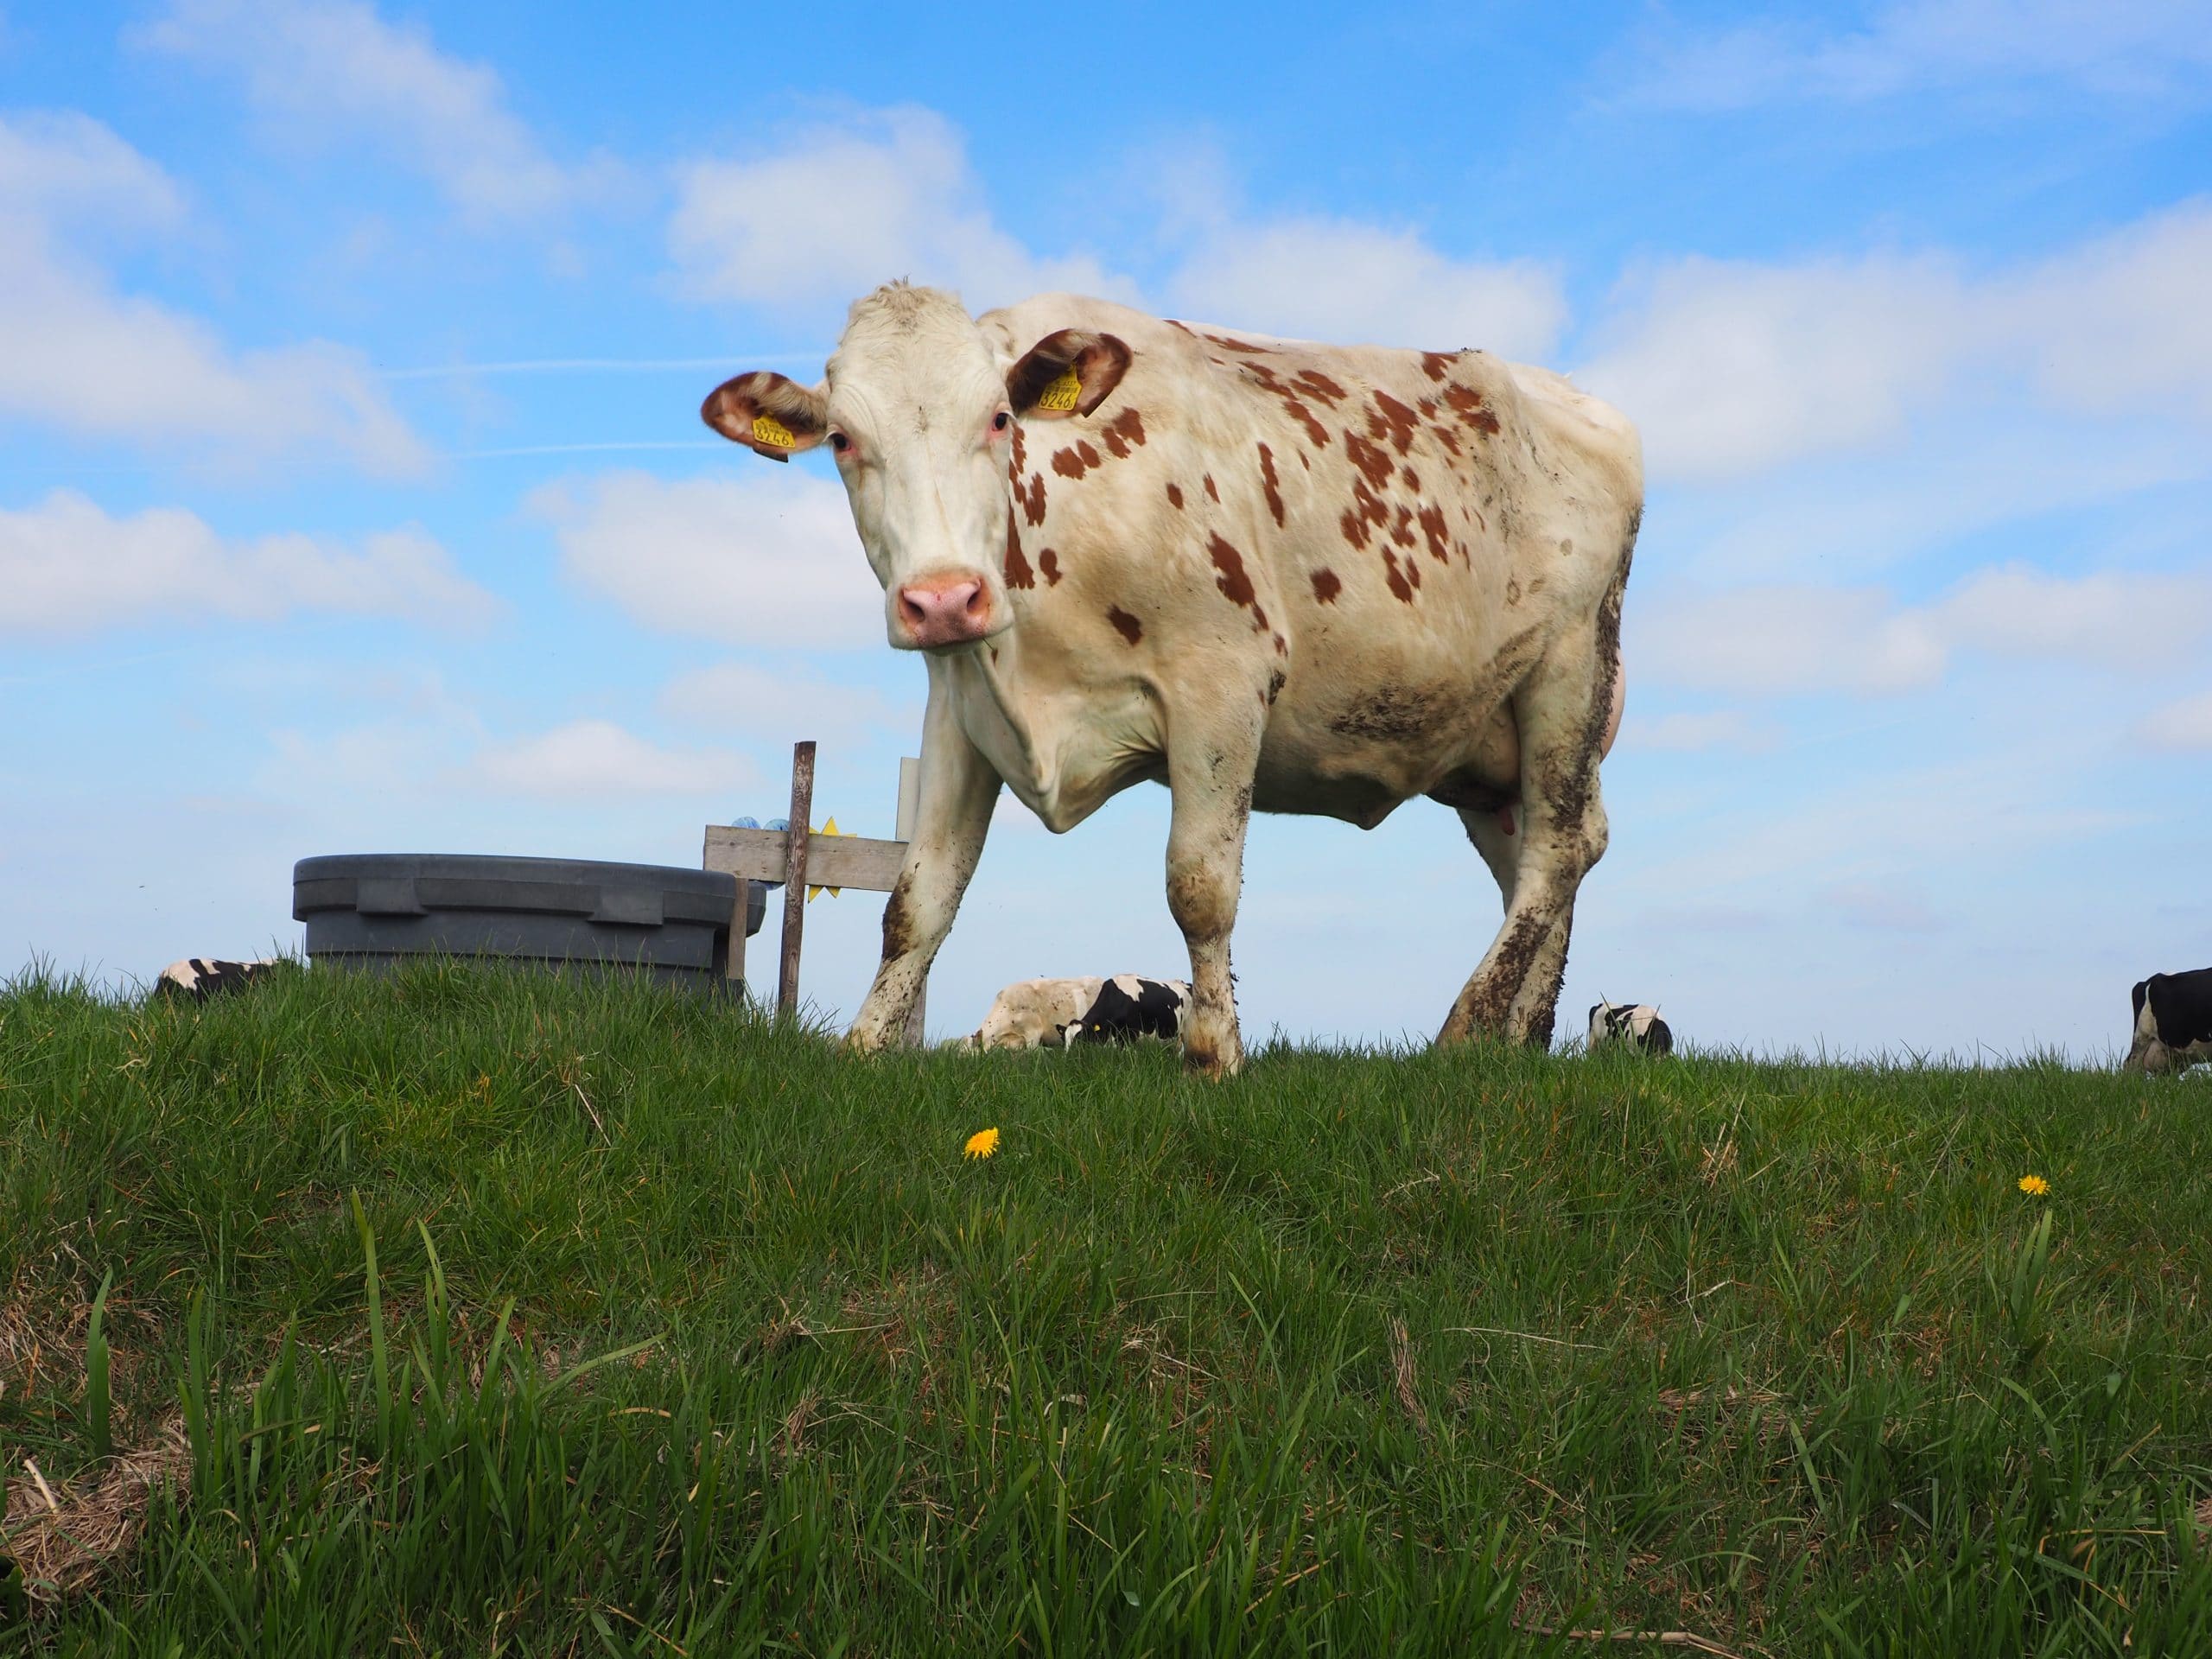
[
  {"x": 1062, "y": 392},
  {"x": 768, "y": 429}
]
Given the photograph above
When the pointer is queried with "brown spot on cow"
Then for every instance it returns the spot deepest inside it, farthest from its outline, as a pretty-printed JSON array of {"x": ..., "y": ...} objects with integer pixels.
[
  {"x": 1048, "y": 566},
  {"x": 1075, "y": 462},
  {"x": 1513, "y": 591},
  {"x": 1410, "y": 478},
  {"x": 1270, "y": 482},
  {"x": 1315, "y": 432},
  {"x": 1444, "y": 436},
  {"x": 1402, "y": 532},
  {"x": 1367, "y": 510},
  {"x": 1212, "y": 494},
  {"x": 1228, "y": 343},
  {"x": 1399, "y": 585},
  {"x": 1438, "y": 365},
  {"x": 1131, "y": 629},
  {"x": 1369, "y": 459},
  {"x": 1020, "y": 454},
  {"x": 1316, "y": 385},
  {"x": 1231, "y": 578},
  {"x": 1431, "y": 526},
  {"x": 1018, "y": 573},
  {"x": 1122, "y": 432},
  {"x": 1283, "y": 646},
  {"x": 1392, "y": 416},
  {"x": 1326, "y": 586},
  {"x": 1276, "y": 680},
  {"x": 1467, "y": 403},
  {"x": 1032, "y": 500},
  {"x": 1175, "y": 495}
]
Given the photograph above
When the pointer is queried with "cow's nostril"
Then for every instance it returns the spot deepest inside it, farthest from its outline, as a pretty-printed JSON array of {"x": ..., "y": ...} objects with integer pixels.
[{"x": 975, "y": 606}]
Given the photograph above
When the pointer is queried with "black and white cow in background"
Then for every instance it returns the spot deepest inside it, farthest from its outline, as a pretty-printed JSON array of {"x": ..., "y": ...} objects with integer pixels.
[
  {"x": 1033, "y": 1013},
  {"x": 201, "y": 977},
  {"x": 1639, "y": 1024},
  {"x": 2173, "y": 1021}
]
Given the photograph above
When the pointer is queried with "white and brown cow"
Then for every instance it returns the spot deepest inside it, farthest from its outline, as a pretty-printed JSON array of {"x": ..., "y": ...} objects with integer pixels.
[{"x": 1271, "y": 574}]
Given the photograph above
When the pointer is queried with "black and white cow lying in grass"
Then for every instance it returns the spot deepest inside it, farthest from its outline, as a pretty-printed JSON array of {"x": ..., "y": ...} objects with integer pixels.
[
  {"x": 1638, "y": 1024},
  {"x": 2173, "y": 1021},
  {"x": 1033, "y": 1012},
  {"x": 201, "y": 977}
]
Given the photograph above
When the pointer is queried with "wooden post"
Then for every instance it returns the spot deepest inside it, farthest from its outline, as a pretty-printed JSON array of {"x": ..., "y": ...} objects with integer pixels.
[
  {"x": 910, "y": 804},
  {"x": 734, "y": 970},
  {"x": 795, "y": 874}
]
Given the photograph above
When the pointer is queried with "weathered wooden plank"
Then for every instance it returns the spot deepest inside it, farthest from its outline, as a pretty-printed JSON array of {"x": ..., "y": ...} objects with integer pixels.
[
  {"x": 831, "y": 861},
  {"x": 795, "y": 861}
]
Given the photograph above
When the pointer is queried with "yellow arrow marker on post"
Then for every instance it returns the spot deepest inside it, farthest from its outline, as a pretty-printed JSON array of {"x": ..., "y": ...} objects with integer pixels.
[{"x": 828, "y": 828}]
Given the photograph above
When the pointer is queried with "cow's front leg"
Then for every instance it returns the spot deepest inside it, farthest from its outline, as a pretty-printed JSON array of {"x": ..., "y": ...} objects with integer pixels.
[
  {"x": 1211, "y": 779},
  {"x": 959, "y": 788}
]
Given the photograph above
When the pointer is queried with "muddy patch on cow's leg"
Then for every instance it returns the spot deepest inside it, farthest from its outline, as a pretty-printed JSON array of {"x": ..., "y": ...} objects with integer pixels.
[{"x": 1488, "y": 997}]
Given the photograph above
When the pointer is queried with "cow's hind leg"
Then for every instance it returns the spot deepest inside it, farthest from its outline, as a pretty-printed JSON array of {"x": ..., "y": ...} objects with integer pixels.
[
  {"x": 1210, "y": 776},
  {"x": 1564, "y": 710},
  {"x": 1499, "y": 845}
]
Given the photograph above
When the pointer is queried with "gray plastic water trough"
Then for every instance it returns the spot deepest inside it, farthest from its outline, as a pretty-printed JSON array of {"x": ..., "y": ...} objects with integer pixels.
[{"x": 372, "y": 910}]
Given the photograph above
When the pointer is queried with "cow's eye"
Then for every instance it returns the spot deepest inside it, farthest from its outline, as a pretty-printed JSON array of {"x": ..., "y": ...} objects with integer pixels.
[
  {"x": 840, "y": 443},
  {"x": 1001, "y": 421}
]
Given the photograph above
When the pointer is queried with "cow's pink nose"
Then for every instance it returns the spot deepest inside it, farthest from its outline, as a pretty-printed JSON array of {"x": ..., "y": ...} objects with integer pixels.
[{"x": 946, "y": 611}]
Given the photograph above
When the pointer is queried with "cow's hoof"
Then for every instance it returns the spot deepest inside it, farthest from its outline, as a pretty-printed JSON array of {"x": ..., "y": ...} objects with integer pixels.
[{"x": 1213, "y": 1064}]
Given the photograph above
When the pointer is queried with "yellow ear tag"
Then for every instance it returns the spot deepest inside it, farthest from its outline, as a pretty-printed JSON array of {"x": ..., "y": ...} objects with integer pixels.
[
  {"x": 766, "y": 429},
  {"x": 1062, "y": 392}
]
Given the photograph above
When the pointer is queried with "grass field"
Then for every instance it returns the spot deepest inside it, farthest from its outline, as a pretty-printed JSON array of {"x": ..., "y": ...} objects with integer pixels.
[{"x": 466, "y": 1313}]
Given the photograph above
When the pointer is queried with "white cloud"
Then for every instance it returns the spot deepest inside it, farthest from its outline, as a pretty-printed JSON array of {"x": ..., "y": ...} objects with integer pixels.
[
  {"x": 1786, "y": 639},
  {"x": 2122, "y": 321},
  {"x": 1729, "y": 367},
  {"x": 846, "y": 207},
  {"x": 2183, "y": 725},
  {"x": 1805, "y": 637},
  {"x": 752, "y": 697},
  {"x": 1733, "y": 367},
  {"x": 76, "y": 355},
  {"x": 2113, "y": 618},
  {"x": 1723, "y": 728},
  {"x": 68, "y": 567},
  {"x": 892, "y": 194},
  {"x": 2131, "y": 48},
  {"x": 333, "y": 72},
  {"x": 589, "y": 759},
  {"x": 755, "y": 558},
  {"x": 1342, "y": 281}
]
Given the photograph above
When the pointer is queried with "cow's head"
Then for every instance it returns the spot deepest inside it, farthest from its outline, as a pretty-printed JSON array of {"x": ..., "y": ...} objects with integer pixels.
[{"x": 918, "y": 407}]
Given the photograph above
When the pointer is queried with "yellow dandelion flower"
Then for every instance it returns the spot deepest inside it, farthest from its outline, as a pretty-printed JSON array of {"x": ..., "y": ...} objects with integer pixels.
[
  {"x": 982, "y": 1144},
  {"x": 2034, "y": 1186}
]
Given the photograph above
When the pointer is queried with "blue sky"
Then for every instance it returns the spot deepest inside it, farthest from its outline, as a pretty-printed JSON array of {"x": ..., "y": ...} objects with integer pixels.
[{"x": 352, "y": 496}]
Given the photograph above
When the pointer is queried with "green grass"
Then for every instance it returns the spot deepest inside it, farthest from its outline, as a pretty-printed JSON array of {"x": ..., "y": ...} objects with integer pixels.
[{"x": 512, "y": 1315}]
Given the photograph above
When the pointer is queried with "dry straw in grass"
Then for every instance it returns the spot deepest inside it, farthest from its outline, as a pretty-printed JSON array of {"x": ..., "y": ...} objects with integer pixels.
[{"x": 65, "y": 1540}]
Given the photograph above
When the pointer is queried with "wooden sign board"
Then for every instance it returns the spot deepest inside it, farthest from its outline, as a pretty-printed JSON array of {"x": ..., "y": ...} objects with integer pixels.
[{"x": 800, "y": 859}]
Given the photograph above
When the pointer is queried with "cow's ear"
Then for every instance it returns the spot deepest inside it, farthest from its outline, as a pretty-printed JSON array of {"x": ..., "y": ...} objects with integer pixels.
[
  {"x": 1071, "y": 372},
  {"x": 769, "y": 415}
]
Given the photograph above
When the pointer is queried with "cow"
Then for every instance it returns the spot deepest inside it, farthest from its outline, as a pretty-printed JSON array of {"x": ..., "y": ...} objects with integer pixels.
[
  {"x": 1271, "y": 574},
  {"x": 1638, "y": 1024},
  {"x": 1033, "y": 1013},
  {"x": 2173, "y": 1021},
  {"x": 201, "y": 977}
]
